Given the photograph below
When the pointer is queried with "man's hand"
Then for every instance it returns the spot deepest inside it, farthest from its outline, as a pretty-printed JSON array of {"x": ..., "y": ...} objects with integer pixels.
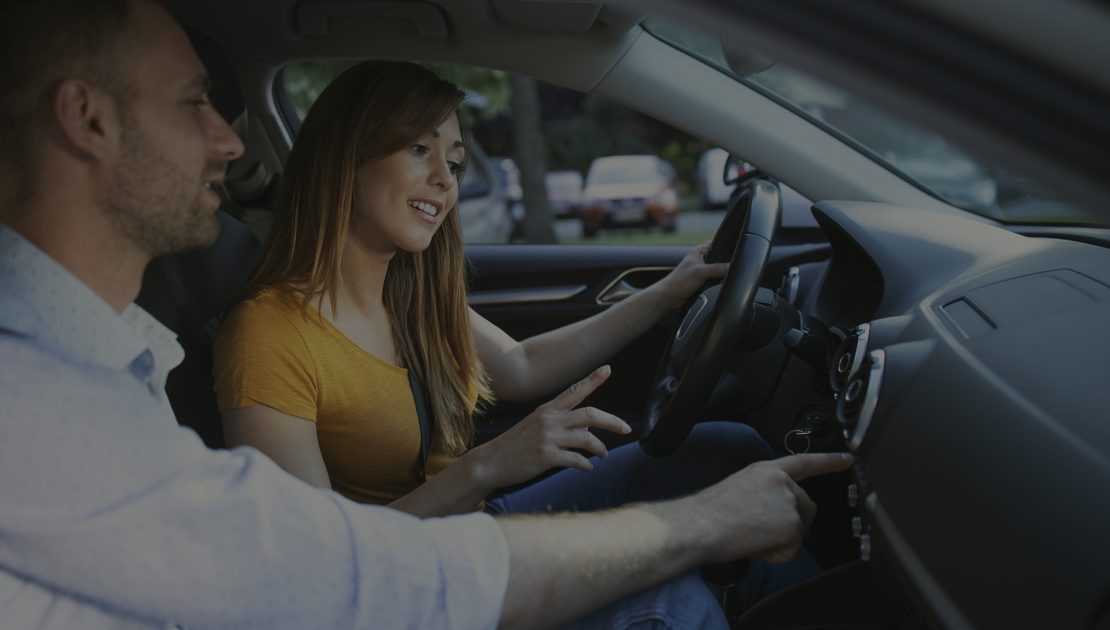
[
  {"x": 760, "y": 511},
  {"x": 564, "y": 566}
]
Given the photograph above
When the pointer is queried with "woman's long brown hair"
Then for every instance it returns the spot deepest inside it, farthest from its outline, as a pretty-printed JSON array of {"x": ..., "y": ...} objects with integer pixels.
[{"x": 373, "y": 110}]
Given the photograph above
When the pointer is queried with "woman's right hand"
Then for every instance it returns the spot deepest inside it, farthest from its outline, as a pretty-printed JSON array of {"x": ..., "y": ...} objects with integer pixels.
[{"x": 544, "y": 439}]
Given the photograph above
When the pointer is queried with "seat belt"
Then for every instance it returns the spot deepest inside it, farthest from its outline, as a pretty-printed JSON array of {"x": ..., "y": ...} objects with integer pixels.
[{"x": 427, "y": 422}]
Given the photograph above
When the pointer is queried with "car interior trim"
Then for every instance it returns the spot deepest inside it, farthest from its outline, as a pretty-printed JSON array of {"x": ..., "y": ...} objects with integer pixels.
[
  {"x": 620, "y": 288},
  {"x": 870, "y": 398},
  {"x": 519, "y": 296},
  {"x": 940, "y": 605},
  {"x": 313, "y": 18}
]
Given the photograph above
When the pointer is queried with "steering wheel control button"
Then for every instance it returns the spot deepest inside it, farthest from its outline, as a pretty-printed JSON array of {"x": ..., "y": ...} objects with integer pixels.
[
  {"x": 865, "y": 547},
  {"x": 857, "y": 526},
  {"x": 853, "y": 495}
]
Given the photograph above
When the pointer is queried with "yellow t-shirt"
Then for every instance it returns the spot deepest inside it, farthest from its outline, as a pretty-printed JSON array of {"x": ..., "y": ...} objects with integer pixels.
[{"x": 269, "y": 353}]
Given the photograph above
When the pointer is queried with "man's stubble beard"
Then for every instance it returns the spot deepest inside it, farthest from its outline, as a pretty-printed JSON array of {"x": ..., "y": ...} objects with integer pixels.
[{"x": 153, "y": 203}]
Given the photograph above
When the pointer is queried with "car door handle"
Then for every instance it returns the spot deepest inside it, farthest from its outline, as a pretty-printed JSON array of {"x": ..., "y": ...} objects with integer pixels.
[{"x": 626, "y": 283}]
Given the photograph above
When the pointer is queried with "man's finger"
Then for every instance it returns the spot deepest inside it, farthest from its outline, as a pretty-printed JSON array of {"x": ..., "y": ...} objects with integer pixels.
[
  {"x": 808, "y": 465},
  {"x": 575, "y": 394},
  {"x": 807, "y": 509},
  {"x": 590, "y": 417},
  {"x": 780, "y": 555}
]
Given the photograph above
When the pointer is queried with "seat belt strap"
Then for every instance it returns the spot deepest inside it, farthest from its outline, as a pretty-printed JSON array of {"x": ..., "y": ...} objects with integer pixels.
[{"x": 427, "y": 422}]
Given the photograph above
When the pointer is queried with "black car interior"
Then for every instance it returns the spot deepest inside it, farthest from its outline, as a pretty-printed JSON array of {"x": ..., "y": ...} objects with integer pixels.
[{"x": 963, "y": 363}]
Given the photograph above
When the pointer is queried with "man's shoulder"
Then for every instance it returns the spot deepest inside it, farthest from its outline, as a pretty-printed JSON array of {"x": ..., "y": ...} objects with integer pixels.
[
  {"x": 21, "y": 357},
  {"x": 29, "y": 371}
]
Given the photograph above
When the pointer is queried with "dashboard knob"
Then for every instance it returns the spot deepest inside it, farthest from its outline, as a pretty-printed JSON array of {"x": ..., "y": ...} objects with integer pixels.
[
  {"x": 865, "y": 547},
  {"x": 857, "y": 526},
  {"x": 853, "y": 495}
]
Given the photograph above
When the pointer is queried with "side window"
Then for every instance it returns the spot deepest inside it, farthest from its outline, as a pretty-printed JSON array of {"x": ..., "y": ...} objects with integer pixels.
[
  {"x": 475, "y": 182},
  {"x": 592, "y": 172}
]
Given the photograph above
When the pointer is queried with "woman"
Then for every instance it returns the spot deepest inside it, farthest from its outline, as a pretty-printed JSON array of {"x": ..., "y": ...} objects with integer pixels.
[{"x": 362, "y": 281}]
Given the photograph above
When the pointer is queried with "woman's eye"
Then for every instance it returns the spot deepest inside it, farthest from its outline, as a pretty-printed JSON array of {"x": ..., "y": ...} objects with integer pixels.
[
  {"x": 455, "y": 167},
  {"x": 420, "y": 149}
]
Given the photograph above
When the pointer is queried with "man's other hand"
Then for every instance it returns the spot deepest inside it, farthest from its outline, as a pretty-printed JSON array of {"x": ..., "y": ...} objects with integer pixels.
[{"x": 761, "y": 511}]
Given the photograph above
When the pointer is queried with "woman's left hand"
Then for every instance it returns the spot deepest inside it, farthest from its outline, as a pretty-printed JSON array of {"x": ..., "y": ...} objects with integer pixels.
[{"x": 689, "y": 276}]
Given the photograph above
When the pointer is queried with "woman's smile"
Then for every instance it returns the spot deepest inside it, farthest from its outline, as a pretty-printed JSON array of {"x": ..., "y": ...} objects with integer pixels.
[{"x": 427, "y": 209}]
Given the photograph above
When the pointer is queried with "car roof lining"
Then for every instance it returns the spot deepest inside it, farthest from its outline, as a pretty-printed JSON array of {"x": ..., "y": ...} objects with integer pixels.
[{"x": 473, "y": 33}]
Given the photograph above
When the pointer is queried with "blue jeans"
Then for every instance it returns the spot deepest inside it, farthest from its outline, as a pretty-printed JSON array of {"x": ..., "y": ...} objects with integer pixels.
[{"x": 711, "y": 452}]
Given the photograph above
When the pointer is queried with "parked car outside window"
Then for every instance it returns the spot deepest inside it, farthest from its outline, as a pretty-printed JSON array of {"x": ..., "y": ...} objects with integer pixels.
[
  {"x": 629, "y": 190},
  {"x": 564, "y": 192},
  {"x": 482, "y": 208}
]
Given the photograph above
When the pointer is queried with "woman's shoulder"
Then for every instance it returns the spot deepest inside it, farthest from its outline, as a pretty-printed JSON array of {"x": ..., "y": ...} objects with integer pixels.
[
  {"x": 268, "y": 302},
  {"x": 269, "y": 308}
]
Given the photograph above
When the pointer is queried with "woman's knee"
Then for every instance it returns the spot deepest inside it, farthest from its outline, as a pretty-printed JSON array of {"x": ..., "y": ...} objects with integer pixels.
[{"x": 729, "y": 442}]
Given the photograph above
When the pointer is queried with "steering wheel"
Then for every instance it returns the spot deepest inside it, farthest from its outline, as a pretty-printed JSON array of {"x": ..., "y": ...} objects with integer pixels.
[{"x": 715, "y": 321}]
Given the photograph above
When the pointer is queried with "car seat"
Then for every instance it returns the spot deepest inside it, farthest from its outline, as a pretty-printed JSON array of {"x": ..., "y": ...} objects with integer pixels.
[{"x": 189, "y": 293}]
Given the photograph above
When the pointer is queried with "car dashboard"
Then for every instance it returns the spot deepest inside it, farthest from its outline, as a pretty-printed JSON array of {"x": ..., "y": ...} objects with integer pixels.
[{"x": 974, "y": 388}]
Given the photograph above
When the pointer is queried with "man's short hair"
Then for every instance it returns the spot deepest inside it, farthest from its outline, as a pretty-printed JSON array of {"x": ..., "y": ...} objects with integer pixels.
[{"x": 43, "y": 42}]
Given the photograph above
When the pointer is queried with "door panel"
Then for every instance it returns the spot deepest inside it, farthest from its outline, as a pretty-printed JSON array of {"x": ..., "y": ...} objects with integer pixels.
[{"x": 529, "y": 289}]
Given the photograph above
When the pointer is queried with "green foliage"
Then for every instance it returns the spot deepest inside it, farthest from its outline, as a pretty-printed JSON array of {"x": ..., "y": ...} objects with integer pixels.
[
  {"x": 305, "y": 80},
  {"x": 492, "y": 85}
]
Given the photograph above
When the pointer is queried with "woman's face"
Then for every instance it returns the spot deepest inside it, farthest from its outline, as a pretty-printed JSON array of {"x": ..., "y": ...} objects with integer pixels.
[{"x": 401, "y": 199}]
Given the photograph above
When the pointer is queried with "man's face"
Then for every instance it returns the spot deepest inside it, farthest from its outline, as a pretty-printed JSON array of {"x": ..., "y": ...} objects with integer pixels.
[{"x": 173, "y": 144}]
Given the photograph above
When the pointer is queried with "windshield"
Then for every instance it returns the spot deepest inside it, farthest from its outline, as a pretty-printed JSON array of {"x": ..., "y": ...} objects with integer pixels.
[
  {"x": 623, "y": 170},
  {"x": 922, "y": 156}
]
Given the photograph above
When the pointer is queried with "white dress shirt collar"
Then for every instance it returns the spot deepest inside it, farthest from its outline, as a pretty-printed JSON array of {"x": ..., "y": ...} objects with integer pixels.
[{"x": 43, "y": 302}]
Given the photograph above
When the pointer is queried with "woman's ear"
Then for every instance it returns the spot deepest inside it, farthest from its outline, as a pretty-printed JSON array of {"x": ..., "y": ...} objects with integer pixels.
[{"x": 87, "y": 119}]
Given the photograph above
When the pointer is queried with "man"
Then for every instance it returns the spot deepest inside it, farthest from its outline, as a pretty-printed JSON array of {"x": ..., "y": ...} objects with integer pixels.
[{"x": 112, "y": 516}]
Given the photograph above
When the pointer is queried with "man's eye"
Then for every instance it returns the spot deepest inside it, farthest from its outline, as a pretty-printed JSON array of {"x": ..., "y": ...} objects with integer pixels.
[{"x": 200, "y": 102}]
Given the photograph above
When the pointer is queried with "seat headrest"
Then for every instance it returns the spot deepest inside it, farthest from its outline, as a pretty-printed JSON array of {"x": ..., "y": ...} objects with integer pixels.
[
  {"x": 214, "y": 276},
  {"x": 226, "y": 96}
]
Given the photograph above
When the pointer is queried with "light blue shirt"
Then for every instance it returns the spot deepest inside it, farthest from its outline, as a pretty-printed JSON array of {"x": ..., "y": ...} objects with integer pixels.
[{"x": 111, "y": 515}]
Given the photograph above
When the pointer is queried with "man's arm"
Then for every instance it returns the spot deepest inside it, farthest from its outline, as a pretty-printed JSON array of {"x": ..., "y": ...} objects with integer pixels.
[
  {"x": 104, "y": 499},
  {"x": 563, "y": 567}
]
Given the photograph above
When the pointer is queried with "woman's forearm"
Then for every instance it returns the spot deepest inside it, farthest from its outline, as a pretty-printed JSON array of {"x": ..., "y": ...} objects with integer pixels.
[
  {"x": 457, "y": 489},
  {"x": 561, "y": 356},
  {"x": 525, "y": 370}
]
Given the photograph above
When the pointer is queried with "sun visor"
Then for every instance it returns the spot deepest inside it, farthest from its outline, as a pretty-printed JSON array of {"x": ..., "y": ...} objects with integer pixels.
[
  {"x": 548, "y": 16},
  {"x": 313, "y": 17}
]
